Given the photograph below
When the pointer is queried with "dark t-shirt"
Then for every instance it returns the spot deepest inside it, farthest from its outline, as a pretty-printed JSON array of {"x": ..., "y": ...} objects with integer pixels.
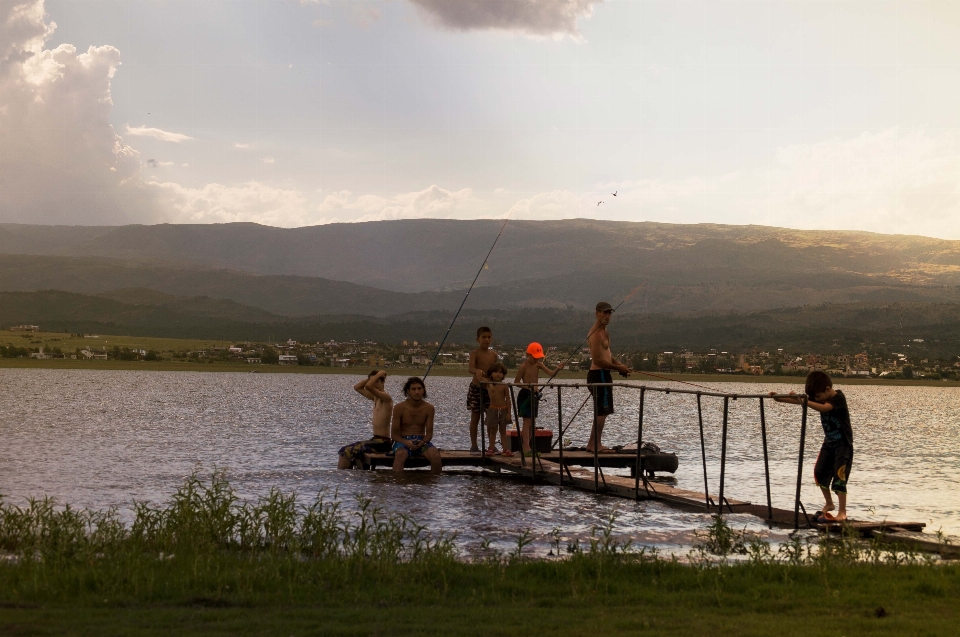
[{"x": 836, "y": 422}]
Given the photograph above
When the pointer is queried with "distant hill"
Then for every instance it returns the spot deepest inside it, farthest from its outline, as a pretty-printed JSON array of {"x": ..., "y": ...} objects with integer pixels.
[
  {"x": 436, "y": 254},
  {"x": 823, "y": 328},
  {"x": 281, "y": 295},
  {"x": 667, "y": 288}
]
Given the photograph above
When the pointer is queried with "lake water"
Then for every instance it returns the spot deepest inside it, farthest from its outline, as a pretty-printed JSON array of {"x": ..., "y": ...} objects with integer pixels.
[{"x": 104, "y": 438}]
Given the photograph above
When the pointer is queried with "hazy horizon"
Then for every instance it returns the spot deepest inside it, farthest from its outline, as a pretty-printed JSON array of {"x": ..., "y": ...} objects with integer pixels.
[{"x": 786, "y": 114}]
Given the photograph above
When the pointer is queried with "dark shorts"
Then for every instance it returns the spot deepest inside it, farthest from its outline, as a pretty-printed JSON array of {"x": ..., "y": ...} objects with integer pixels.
[
  {"x": 602, "y": 396},
  {"x": 832, "y": 469},
  {"x": 414, "y": 453},
  {"x": 377, "y": 444},
  {"x": 528, "y": 404},
  {"x": 477, "y": 398}
]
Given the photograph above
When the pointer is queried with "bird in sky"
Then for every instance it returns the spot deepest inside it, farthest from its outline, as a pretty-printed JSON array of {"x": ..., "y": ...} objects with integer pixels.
[
  {"x": 599, "y": 202},
  {"x": 614, "y": 193}
]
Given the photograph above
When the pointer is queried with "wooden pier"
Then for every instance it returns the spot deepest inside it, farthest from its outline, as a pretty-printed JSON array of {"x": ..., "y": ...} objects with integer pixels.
[
  {"x": 577, "y": 472},
  {"x": 584, "y": 470}
]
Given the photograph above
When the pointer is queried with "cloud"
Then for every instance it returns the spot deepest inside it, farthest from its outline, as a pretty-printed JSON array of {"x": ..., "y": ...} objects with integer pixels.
[
  {"x": 431, "y": 202},
  {"x": 531, "y": 17},
  {"x": 60, "y": 159},
  {"x": 268, "y": 160},
  {"x": 240, "y": 146},
  {"x": 891, "y": 181},
  {"x": 251, "y": 201},
  {"x": 153, "y": 163},
  {"x": 558, "y": 204},
  {"x": 156, "y": 133}
]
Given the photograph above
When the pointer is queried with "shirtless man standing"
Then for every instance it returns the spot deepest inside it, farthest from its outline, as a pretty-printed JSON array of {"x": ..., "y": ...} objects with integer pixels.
[
  {"x": 372, "y": 388},
  {"x": 412, "y": 427},
  {"x": 602, "y": 361}
]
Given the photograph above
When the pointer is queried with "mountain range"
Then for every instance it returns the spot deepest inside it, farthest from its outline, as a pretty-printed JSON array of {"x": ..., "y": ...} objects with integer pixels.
[
  {"x": 704, "y": 284},
  {"x": 389, "y": 267}
]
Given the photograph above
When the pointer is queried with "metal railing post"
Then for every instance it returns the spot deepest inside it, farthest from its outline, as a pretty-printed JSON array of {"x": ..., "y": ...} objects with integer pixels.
[
  {"x": 703, "y": 453},
  {"x": 483, "y": 430},
  {"x": 560, "y": 430},
  {"x": 723, "y": 451},
  {"x": 516, "y": 422},
  {"x": 766, "y": 459},
  {"x": 534, "y": 408},
  {"x": 596, "y": 447},
  {"x": 803, "y": 438},
  {"x": 636, "y": 481}
]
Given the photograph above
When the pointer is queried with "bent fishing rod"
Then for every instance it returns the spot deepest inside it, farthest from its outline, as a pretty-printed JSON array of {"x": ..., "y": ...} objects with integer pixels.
[{"x": 469, "y": 290}]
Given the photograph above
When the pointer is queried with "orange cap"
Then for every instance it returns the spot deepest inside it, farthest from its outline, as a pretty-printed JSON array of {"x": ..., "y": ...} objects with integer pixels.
[{"x": 535, "y": 350}]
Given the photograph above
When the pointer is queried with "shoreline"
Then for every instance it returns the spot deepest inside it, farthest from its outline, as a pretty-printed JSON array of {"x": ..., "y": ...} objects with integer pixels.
[{"x": 238, "y": 368}]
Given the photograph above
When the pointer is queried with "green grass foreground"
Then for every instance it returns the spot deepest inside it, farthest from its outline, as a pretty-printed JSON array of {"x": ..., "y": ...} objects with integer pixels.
[{"x": 206, "y": 563}]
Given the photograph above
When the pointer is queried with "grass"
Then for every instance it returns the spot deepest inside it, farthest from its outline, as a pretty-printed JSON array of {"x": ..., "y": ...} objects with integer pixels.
[{"x": 206, "y": 563}]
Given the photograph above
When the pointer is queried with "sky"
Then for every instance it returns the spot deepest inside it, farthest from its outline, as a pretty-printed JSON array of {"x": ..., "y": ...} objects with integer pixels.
[{"x": 803, "y": 114}]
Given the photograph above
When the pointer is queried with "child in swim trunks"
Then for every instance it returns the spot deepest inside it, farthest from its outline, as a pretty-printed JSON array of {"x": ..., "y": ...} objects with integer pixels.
[
  {"x": 477, "y": 399},
  {"x": 527, "y": 398},
  {"x": 497, "y": 416},
  {"x": 832, "y": 469}
]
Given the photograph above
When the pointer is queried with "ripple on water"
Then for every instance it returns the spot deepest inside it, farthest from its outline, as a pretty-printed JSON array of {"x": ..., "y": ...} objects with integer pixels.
[{"x": 103, "y": 438}]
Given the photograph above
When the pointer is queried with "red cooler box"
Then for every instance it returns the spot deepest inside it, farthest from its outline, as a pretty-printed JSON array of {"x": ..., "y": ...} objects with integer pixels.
[{"x": 542, "y": 440}]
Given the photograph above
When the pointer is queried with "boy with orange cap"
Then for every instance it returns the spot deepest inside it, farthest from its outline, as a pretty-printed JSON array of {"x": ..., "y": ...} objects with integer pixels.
[{"x": 527, "y": 400}]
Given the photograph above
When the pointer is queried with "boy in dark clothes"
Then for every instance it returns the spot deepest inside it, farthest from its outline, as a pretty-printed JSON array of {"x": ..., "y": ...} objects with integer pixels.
[{"x": 836, "y": 453}]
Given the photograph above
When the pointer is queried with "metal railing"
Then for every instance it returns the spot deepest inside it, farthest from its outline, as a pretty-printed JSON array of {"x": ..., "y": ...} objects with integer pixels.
[{"x": 639, "y": 473}]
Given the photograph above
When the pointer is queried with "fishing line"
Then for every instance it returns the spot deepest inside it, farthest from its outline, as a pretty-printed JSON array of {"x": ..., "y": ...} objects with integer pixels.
[
  {"x": 577, "y": 349},
  {"x": 469, "y": 290}
]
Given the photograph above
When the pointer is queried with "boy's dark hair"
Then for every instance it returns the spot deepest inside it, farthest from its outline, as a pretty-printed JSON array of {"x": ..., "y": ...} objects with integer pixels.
[
  {"x": 413, "y": 380},
  {"x": 483, "y": 329},
  {"x": 497, "y": 367},
  {"x": 817, "y": 382},
  {"x": 373, "y": 373}
]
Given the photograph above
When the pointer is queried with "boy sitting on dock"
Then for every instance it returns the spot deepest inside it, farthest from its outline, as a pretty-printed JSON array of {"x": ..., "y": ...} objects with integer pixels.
[
  {"x": 371, "y": 387},
  {"x": 412, "y": 427},
  {"x": 836, "y": 453},
  {"x": 477, "y": 399},
  {"x": 497, "y": 416},
  {"x": 527, "y": 398}
]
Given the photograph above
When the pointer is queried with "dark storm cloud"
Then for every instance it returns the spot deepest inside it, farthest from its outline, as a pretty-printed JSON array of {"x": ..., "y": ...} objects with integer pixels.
[{"x": 533, "y": 17}]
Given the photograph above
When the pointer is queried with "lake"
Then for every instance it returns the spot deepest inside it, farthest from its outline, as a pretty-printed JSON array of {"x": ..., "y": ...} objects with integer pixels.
[{"x": 104, "y": 438}]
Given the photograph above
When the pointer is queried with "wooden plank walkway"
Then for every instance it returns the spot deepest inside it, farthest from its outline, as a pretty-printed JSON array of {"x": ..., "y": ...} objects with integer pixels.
[
  {"x": 577, "y": 472},
  {"x": 948, "y": 546}
]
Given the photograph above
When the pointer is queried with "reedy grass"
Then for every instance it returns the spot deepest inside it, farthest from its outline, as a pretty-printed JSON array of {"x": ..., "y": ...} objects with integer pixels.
[{"x": 207, "y": 547}]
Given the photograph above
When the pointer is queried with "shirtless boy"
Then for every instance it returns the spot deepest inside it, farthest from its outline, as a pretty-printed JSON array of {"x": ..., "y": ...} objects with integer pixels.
[
  {"x": 412, "y": 427},
  {"x": 371, "y": 387},
  {"x": 497, "y": 417},
  {"x": 527, "y": 400},
  {"x": 601, "y": 362},
  {"x": 477, "y": 399}
]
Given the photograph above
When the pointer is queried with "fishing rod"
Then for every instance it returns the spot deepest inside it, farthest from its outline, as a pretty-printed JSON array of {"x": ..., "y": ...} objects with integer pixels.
[
  {"x": 469, "y": 290},
  {"x": 589, "y": 334}
]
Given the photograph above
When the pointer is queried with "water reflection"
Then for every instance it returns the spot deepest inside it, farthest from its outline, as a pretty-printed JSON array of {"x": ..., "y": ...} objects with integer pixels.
[{"x": 102, "y": 438}]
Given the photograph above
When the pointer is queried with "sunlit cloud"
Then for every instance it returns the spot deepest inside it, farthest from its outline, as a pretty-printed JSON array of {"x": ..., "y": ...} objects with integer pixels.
[{"x": 156, "y": 133}]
